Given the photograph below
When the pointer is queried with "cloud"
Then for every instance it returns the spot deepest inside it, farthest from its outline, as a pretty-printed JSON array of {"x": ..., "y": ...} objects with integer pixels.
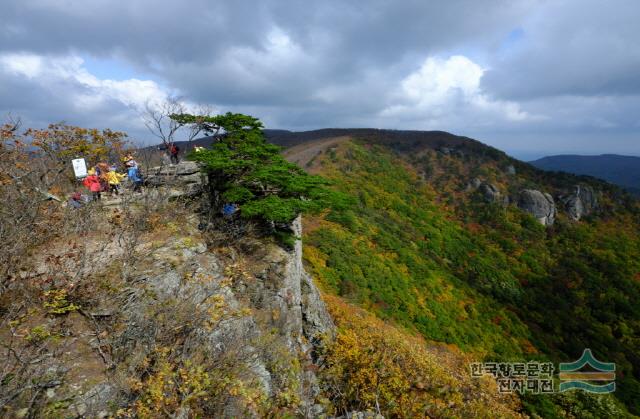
[
  {"x": 51, "y": 84},
  {"x": 575, "y": 47},
  {"x": 492, "y": 69},
  {"x": 447, "y": 92},
  {"x": 90, "y": 91}
]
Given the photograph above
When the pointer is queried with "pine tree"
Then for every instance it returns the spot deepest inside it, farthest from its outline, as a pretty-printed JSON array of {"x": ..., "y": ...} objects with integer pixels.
[{"x": 245, "y": 169}]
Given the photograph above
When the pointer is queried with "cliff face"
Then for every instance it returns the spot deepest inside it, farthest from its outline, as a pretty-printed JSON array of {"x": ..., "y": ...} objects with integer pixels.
[
  {"x": 253, "y": 304},
  {"x": 163, "y": 321}
]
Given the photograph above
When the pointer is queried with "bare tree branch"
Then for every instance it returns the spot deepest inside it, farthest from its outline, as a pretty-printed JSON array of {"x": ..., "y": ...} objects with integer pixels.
[{"x": 158, "y": 122}]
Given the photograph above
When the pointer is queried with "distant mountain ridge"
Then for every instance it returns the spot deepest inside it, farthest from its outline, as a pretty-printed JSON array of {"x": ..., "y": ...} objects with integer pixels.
[
  {"x": 620, "y": 170},
  {"x": 397, "y": 139}
]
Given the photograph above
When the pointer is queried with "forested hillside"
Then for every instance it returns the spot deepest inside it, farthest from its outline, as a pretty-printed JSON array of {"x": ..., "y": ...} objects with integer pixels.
[{"x": 441, "y": 239}]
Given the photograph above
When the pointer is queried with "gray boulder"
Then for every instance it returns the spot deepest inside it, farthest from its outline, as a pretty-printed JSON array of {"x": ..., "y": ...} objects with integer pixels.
[
  {"x": 538, "y": 204},
  {"x": 183, "y": 179},
  {"x": 582, "y": 201},
  {"x": 490, "y": 192},
  {"x": 473, "y": 184}
]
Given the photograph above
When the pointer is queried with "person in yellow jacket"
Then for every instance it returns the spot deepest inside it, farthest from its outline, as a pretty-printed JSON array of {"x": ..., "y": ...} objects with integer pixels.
[{"x": 113, "y": 178}]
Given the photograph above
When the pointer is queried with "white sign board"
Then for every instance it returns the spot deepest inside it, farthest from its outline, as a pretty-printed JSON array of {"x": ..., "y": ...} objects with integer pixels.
[{"x": 79, "y": 168}]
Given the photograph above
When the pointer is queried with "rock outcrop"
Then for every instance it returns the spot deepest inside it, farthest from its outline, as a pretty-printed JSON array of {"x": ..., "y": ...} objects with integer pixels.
[
  {"x": 538, "y": 204},
  {"x": 582, "y": 201},
  {"x": 448, "y": 151},
  {"x": 182, "y": 180},
  {"x": 315, "y": 320},
  {"x": 577, "y": 204},
  {"x": 270, "y": 287},
  {"x": 255, "y": 308},
  {"x": 490, "y": 192},
  {"x": 246, "y": 310},
  {"x": 473, "y": 184}
]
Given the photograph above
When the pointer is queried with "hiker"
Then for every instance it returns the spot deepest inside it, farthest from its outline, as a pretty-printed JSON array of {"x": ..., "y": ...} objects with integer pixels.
[
  {"x": 134, "y": 176},
  {"x": 173, "y": 153},
  {"x": 113, "y": 179},
  {"x": 103, "y": 167},
  {"x": 92, "y": 182},
  {"x": 75, "y": 201},
  {"x": 103, "y": 174},
  {"x": 130, "y": 161},
  {"x": 229, "y": 209}
]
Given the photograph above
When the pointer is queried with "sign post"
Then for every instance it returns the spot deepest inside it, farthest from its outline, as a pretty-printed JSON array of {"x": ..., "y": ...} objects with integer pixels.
[{"x": 79, "y": 168}]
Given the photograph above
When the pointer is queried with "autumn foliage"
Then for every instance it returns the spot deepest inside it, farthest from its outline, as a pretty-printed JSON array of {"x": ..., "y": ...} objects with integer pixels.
[
  {"x": 374, "y": 366},
  {"x": 420, "y": 249},
  {"x": 33, "y": 164}
]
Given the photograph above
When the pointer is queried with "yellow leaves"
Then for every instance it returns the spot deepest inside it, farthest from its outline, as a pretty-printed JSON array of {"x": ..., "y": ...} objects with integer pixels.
[
  {"x": 38, "y": 334},
  {"x": 236, "y": 271},
  {"x": 372, "y": 364},
  {"x": 445, "y": 295},
  {"x": 56, "y": 302},
  {"x": 375, "y": 365},
  {"x": 275, "y": 314},
  {"x": 61, "y": 141},
  {"x": 169, "y": 387},
  {"x": 216, "y": 309},
  {"x": 172, "y": 227},
  {"x": 315, "y": 257},
  {"x": 226, "y": 281}
]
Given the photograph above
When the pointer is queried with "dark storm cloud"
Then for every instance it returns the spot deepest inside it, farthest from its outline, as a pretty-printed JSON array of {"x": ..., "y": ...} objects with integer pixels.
[
  {"x": 208, "y": 49},
  {"x": 42, "y": 105},
  {"x": 145, "y": 32},
  {"x": 335, "y": 43}
]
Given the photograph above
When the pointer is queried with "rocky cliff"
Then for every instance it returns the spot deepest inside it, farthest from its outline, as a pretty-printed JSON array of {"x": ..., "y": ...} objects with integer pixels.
[
  {"x": 162, "y": 314},
  {"x": 582, "y": 201}
]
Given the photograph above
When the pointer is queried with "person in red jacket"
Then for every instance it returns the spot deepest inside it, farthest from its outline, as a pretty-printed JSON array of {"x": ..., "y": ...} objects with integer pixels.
[
  {"x": 173, "y": 153},
  {"x": 92, "y": 182}
]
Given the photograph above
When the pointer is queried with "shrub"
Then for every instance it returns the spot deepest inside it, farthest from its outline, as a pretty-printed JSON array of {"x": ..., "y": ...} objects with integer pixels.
[{"x": 377, "y": 367}]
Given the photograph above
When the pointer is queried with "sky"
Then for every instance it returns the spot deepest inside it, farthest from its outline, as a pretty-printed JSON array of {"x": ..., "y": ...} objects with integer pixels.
[{"x": 531, "y": 77}]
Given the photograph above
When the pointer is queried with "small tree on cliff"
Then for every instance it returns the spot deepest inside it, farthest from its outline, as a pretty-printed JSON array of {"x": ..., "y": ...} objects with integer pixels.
[{"x": 247, "y": 170}]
